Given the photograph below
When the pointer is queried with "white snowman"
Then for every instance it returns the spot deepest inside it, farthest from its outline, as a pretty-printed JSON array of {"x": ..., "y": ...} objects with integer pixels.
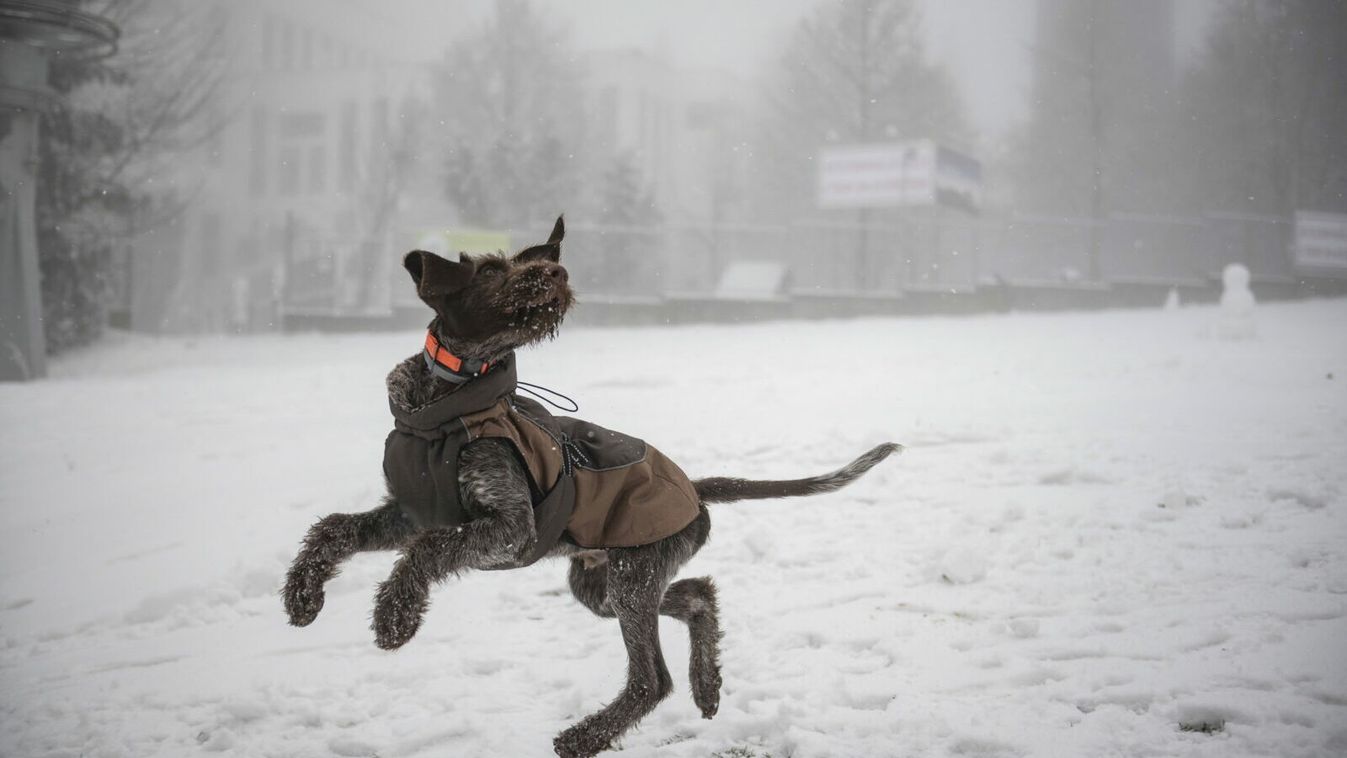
[{"x": 1236, "y": 320}]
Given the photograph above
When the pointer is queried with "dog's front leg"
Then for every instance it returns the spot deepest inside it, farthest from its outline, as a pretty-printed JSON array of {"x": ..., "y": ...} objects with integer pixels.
[
  {"x": 495, "y": 493},
  {"x": 329, "y": 542}
]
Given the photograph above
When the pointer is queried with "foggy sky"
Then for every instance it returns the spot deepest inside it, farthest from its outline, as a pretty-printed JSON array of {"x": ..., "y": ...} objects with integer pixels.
[{"x": 984, "y": 42}]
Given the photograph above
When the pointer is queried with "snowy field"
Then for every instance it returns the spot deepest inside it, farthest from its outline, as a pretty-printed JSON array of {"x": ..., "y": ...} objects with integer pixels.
[{"x": 1112, "y": 534}]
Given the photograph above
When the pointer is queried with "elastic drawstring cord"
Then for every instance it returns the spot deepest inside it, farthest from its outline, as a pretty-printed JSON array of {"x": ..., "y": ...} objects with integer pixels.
[{"x": 525, "y": 386}]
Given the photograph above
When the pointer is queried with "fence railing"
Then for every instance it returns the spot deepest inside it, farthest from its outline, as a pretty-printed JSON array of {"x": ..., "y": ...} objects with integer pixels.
[
  {"x": 951, "y": 254},
  {"x": 294, "y": 269},
  {"x": 325, "y": 276}
]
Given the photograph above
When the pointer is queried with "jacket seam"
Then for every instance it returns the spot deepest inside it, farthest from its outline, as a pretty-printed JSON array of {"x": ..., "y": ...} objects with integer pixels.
[
  {"x": 541, "y": 428},
  {"x": 645, "y": 447},
  {"x": 619, "y": 467},
  {"x": 674, "y": 485}
]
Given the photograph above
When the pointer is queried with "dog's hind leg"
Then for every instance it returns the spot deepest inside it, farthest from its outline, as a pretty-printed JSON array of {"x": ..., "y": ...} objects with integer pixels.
[
  {"x": 330, "y": 542},
  {"x": 635, "y": 581},
  {"x": 692, "y": 601},
  {"x": 589, "y": 585}
]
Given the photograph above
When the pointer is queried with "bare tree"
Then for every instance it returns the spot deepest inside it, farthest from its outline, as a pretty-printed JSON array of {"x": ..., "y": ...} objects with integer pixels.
[
  {"x": 508, "y": 95},
  {"x": 853, "y": 71},
  {"x": 857, "y": 70},
  {"x": 1062, "y": 158},
  {"x": 1266, "y": 127},
  {"x": 1101, "y": 118},
  {"x": 101, "y": 149}
]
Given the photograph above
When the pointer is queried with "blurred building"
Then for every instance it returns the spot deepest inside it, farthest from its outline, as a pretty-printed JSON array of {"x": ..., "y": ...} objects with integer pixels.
[
  {"x": 684, "y": 131},
  {"x": 683, "y": 128},
  {"x": 293, "y": 195}
]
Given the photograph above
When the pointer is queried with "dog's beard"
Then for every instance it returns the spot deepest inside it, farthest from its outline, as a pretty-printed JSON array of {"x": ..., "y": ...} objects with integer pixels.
[
  {"x": 536, "y": 308},
  {"x": 535, "y": 323}
]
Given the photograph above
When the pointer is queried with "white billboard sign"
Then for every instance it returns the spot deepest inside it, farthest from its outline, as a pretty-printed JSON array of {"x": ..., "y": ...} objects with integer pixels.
[
  {"x": 877, "y": 175},
  {"x": 1321, "y": 242},
  {"x": 892, "y": 174}
]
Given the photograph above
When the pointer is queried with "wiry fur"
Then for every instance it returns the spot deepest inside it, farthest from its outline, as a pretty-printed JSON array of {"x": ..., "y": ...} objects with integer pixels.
[
  {"x": 410, "y": 386},
  {"x": 329, "y": 543},
  {"x": 486, "y": 308},
  {"x": 723, "y": 489},
  {"x": 495, "y": 495}
]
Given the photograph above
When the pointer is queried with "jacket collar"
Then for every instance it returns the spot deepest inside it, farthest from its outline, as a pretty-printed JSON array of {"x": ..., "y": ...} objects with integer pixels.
[{"x": 471, "y": 395}]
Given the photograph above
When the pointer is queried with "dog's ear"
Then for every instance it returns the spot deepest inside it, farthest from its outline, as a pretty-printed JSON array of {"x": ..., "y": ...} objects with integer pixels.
[
  {"x": 550, "y": 251},
  {"x": 435, "y": 276}
]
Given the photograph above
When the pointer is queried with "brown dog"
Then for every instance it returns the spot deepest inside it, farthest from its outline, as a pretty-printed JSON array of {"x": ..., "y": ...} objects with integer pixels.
[{"x": 481, "y": 478}]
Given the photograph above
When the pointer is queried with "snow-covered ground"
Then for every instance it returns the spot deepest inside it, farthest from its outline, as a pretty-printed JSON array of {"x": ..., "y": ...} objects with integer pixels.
[{"x": 1109, "y": 532}]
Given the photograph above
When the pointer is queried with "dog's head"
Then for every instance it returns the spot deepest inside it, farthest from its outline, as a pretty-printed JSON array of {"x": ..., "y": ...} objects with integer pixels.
[{"x": 485, "y": 306}]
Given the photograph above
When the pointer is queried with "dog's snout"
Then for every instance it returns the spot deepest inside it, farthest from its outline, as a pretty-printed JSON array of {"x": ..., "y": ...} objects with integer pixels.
[{"x": 557, "y": 273}]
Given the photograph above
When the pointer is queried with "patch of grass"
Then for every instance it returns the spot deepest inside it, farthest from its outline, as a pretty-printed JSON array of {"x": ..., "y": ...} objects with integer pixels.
[
  {"x": 675, "y": 739},
  {"x": 1204, "y": 727},
  {"x": 739, "y": 751}
]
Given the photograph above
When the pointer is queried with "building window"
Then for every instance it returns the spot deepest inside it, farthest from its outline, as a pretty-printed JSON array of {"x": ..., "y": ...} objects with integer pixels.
[
  {"x": 214, "y": 142},
  {"x": 257, "y": 175},
  {"x": 659, "y": 114},
  {"x": 210, "y": 245},
  {"x": 302, "y": 125},
  {"x": 287, "y": 46},
  {"x": 643, "y": 121},
  {"x": 301, "y": 141},
  {"x": 608, "y": 127},
  {"x": 287, "y": 178},
  {"x": 317, "y": 170},
  {"x": 379, "y": 121},
  {"x": 346, "y": 147},
  {"x": 268, "y": 42}
]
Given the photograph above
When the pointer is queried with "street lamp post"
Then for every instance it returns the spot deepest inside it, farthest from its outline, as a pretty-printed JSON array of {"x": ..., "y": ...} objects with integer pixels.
[{"x": 30, "y": 32}]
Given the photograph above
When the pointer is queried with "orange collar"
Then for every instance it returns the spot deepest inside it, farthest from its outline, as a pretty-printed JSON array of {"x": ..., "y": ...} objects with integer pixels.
[{"x": 450, "y": 367}]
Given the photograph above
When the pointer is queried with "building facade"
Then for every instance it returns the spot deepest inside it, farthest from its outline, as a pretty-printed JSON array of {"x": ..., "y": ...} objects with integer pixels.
[{"x": 289, "y": 202}]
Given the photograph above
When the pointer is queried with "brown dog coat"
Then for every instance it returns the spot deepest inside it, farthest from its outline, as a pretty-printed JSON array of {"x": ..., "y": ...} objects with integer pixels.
[{"x": 592, "y": 486}]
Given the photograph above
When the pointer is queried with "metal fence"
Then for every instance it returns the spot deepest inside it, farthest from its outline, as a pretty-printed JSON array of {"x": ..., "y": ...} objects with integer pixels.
[
  {"x": 947, "y": 254},
  {"x": 293, "y": 270}
]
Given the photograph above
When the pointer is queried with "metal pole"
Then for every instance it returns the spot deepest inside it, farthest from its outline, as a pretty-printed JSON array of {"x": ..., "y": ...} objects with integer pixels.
[
  {"x": 23, "y": 346},
  {"x": 862, "y": 248},
  {"x": 29, "y": 31},
  {"x": 1096, "y": 148}
]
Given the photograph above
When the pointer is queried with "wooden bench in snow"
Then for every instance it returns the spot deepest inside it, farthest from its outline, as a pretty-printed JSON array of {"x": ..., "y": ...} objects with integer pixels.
[{"x": 756, "y": 281}]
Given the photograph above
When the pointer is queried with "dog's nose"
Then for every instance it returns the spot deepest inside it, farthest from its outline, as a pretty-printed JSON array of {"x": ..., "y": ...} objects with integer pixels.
[{"x": 557, "y": 273}]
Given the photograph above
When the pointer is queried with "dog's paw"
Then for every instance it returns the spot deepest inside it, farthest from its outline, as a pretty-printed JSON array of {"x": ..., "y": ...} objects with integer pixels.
[
  {"x": 580, "y": 741},
  {"x": 706, "y": 692},
  {"x": 399, "y": 607},
  {"x": 303, "y": 599}
]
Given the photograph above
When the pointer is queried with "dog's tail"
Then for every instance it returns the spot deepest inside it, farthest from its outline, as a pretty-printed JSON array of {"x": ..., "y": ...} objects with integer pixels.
[{"x": 723, "y": 489}]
